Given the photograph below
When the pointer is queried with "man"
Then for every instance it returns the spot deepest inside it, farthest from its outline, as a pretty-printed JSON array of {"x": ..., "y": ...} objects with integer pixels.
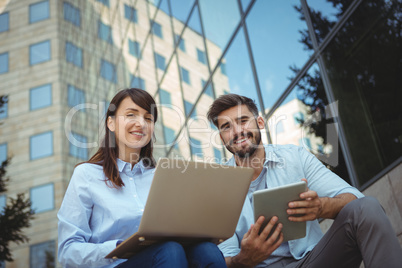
[{"x": 361, "y": 230}]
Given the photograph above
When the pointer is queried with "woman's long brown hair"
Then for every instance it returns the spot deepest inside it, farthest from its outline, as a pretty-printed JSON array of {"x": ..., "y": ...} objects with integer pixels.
[{"x": 107, "y": 154}]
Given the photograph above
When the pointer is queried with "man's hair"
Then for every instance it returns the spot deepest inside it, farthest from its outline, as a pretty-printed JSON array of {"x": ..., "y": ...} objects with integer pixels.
[{"x": 228, "y": 101}]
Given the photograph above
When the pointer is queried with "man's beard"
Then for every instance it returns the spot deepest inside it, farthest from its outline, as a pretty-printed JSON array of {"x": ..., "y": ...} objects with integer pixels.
[{"x": 249, "y": 150}]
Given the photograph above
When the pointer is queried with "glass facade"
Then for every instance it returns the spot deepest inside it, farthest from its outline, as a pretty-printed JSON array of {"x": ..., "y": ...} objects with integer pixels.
[{"x": 324, "y": 76}]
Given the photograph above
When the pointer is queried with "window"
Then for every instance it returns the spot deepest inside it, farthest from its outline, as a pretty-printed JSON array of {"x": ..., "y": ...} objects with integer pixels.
[
  {"x": 41, "y": 145},
  {"x": 42, "y": 198},
  {"x": 187, "y": 107},
  {"x": 134, "y": 48},
  {"x": 3, "y": 153},
  {"x": 42, "y": 254},
  {"x": 201, "y": 56},
  {"x": 223, "y": 68},
  {"x": 4, "y": 22},
  {"x": 73, "y": 54},
  {"x": 3, "y": 63},
  {"x": 196, "y": 147},
  {"x": 185, "y": 76},
  {"x": 78, "y": 145},
  {"x": 108, "y": 71},
  {"x": 218, "y": 155},
  {"x": 298, "y": 117},
  {"x": 75, "y": 96},
  {"x": 39, "y": 52},
  {"x": 165, "y": 97},
  {"x": 4, "y": 110},
  {"x": 137, "y": 82},
  {"x": 209, "y": 90},
  {"x": 182, "y": 45},
  {"x": 105, "y": 32},
  {"x": 72, "y": 14},
  {"x": 38, "y": 11},
  {"x": 156, "y": 29},
  {"x": 40, "y": 97},
  {"x": 169, "y": 137},
  {"x": 105, "y": 2},
  {"x": 130, "y": 13},
  {"x": 160, "y": 61}
]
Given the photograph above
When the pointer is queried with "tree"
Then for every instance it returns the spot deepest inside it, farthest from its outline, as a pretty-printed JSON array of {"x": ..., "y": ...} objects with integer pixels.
[
  {"x": 15, "y": 216},
  {"x": 363, "y": 62}
]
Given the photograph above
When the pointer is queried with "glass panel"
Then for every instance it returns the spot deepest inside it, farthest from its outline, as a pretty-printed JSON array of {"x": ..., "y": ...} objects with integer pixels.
[
  {"x": 3, "y": 153},
  {"x": 157, "y": 29},
  {"x": 39, "y": 52},
  {"x": 193, "y": 62},
  {"x": 304, "y": 119},
  {"x": 41, "y": 145},
  {"x": 182, "y": 43},
  {"x": 276, "y": 46},
  {"x": 137, "y": 82},
  {"x": 146, "y": 68},
  {"x": 78, "y": 146},
  {"x": 171, "y": 99},
  {"x": 205, "y": 139},
  {"x": 39, "y": 11},
  {"x": 245, "y": 4},
  {"x": 194, "y": 22},
  {"x": 4, "y": 63},
  {"x": 40, "y": 97},
  {"x": 73, "y": 54},
  {"x": 4, "y": 22},
  {"x": 239, "y": 78},
  {"x": 76, "y": 96},
  {"x": 42, "y": 198},
  {"x": 72, "y": 14},
  {"x": 364, "y": 63},
  {"x": 130, "y": 13},
  {"x": 324, "y": 15},
  {"x": 105, "y": 32},
  {"x": 42, "y": 255},
  {"x": 108, "y": 71},
  {"x": 134, "y": 48},
  {"x": 105, "y": 2},
  {"x": 220, "y": 19},
  {"x": 160, "y": 62},
  {"x": 181, "y": 9}
]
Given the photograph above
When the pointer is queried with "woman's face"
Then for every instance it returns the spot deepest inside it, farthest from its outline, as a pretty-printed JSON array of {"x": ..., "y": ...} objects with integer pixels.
[{"x": 133, "y": 127}]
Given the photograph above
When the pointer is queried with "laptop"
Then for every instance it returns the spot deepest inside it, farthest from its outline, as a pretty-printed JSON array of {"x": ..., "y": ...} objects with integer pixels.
[{"x": 189, "y": 202}]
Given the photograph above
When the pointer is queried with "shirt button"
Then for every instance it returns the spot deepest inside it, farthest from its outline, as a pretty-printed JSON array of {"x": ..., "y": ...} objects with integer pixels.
[
  {"x": 142, "y": 209},
  {"x": 131, "y": 179},
  {"x": 135, "y": 195}
]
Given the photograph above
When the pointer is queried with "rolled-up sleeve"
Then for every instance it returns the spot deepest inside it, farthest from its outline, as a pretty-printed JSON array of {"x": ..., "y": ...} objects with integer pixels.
[
  {"x": 321, "y": 179},
  {"x": 74, "y": 227},
  {"x": 230, "y": 247}
]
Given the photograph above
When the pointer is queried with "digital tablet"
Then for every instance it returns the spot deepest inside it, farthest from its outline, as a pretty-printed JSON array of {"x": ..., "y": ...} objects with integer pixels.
[{"x": 274, "y": 202}]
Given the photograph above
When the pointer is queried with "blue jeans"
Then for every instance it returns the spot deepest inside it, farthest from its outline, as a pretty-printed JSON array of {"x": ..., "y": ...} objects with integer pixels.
[{"x": 172, "y": 254}]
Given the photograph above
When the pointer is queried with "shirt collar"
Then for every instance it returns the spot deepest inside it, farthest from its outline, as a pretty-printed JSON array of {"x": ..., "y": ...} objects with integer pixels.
[
  {"x": 270, "y": 156},
  {"x": 122, "y": 165}
]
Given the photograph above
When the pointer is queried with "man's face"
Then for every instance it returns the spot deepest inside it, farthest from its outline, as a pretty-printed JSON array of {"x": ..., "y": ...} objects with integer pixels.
[{"x": 240, "y": 130}]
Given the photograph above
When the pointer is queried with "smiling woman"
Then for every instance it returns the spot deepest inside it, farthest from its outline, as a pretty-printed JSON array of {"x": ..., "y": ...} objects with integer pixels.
[{"x": 106, "y": 196}]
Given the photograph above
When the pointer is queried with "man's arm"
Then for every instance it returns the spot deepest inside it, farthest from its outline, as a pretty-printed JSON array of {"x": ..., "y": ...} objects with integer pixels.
[
  {"x": 255, "y": 247},
  {"x": 313, "y": 207}
]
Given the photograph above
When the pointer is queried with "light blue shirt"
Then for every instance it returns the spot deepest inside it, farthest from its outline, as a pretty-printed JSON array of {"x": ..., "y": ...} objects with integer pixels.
[
  {"x": 94, "y": 216},
  {"x": 285, "y": 164}
]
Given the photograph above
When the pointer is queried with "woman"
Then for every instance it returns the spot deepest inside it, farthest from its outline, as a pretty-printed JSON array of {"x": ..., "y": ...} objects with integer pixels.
[{"x": 105, "y": 199}]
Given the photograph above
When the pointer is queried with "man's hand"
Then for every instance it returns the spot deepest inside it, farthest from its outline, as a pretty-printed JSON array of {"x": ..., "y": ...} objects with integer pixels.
[
  {"x": 255, "y": 247},
  {"x": 309, "y": 208},
  {"x": 313, "y": 207}
]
